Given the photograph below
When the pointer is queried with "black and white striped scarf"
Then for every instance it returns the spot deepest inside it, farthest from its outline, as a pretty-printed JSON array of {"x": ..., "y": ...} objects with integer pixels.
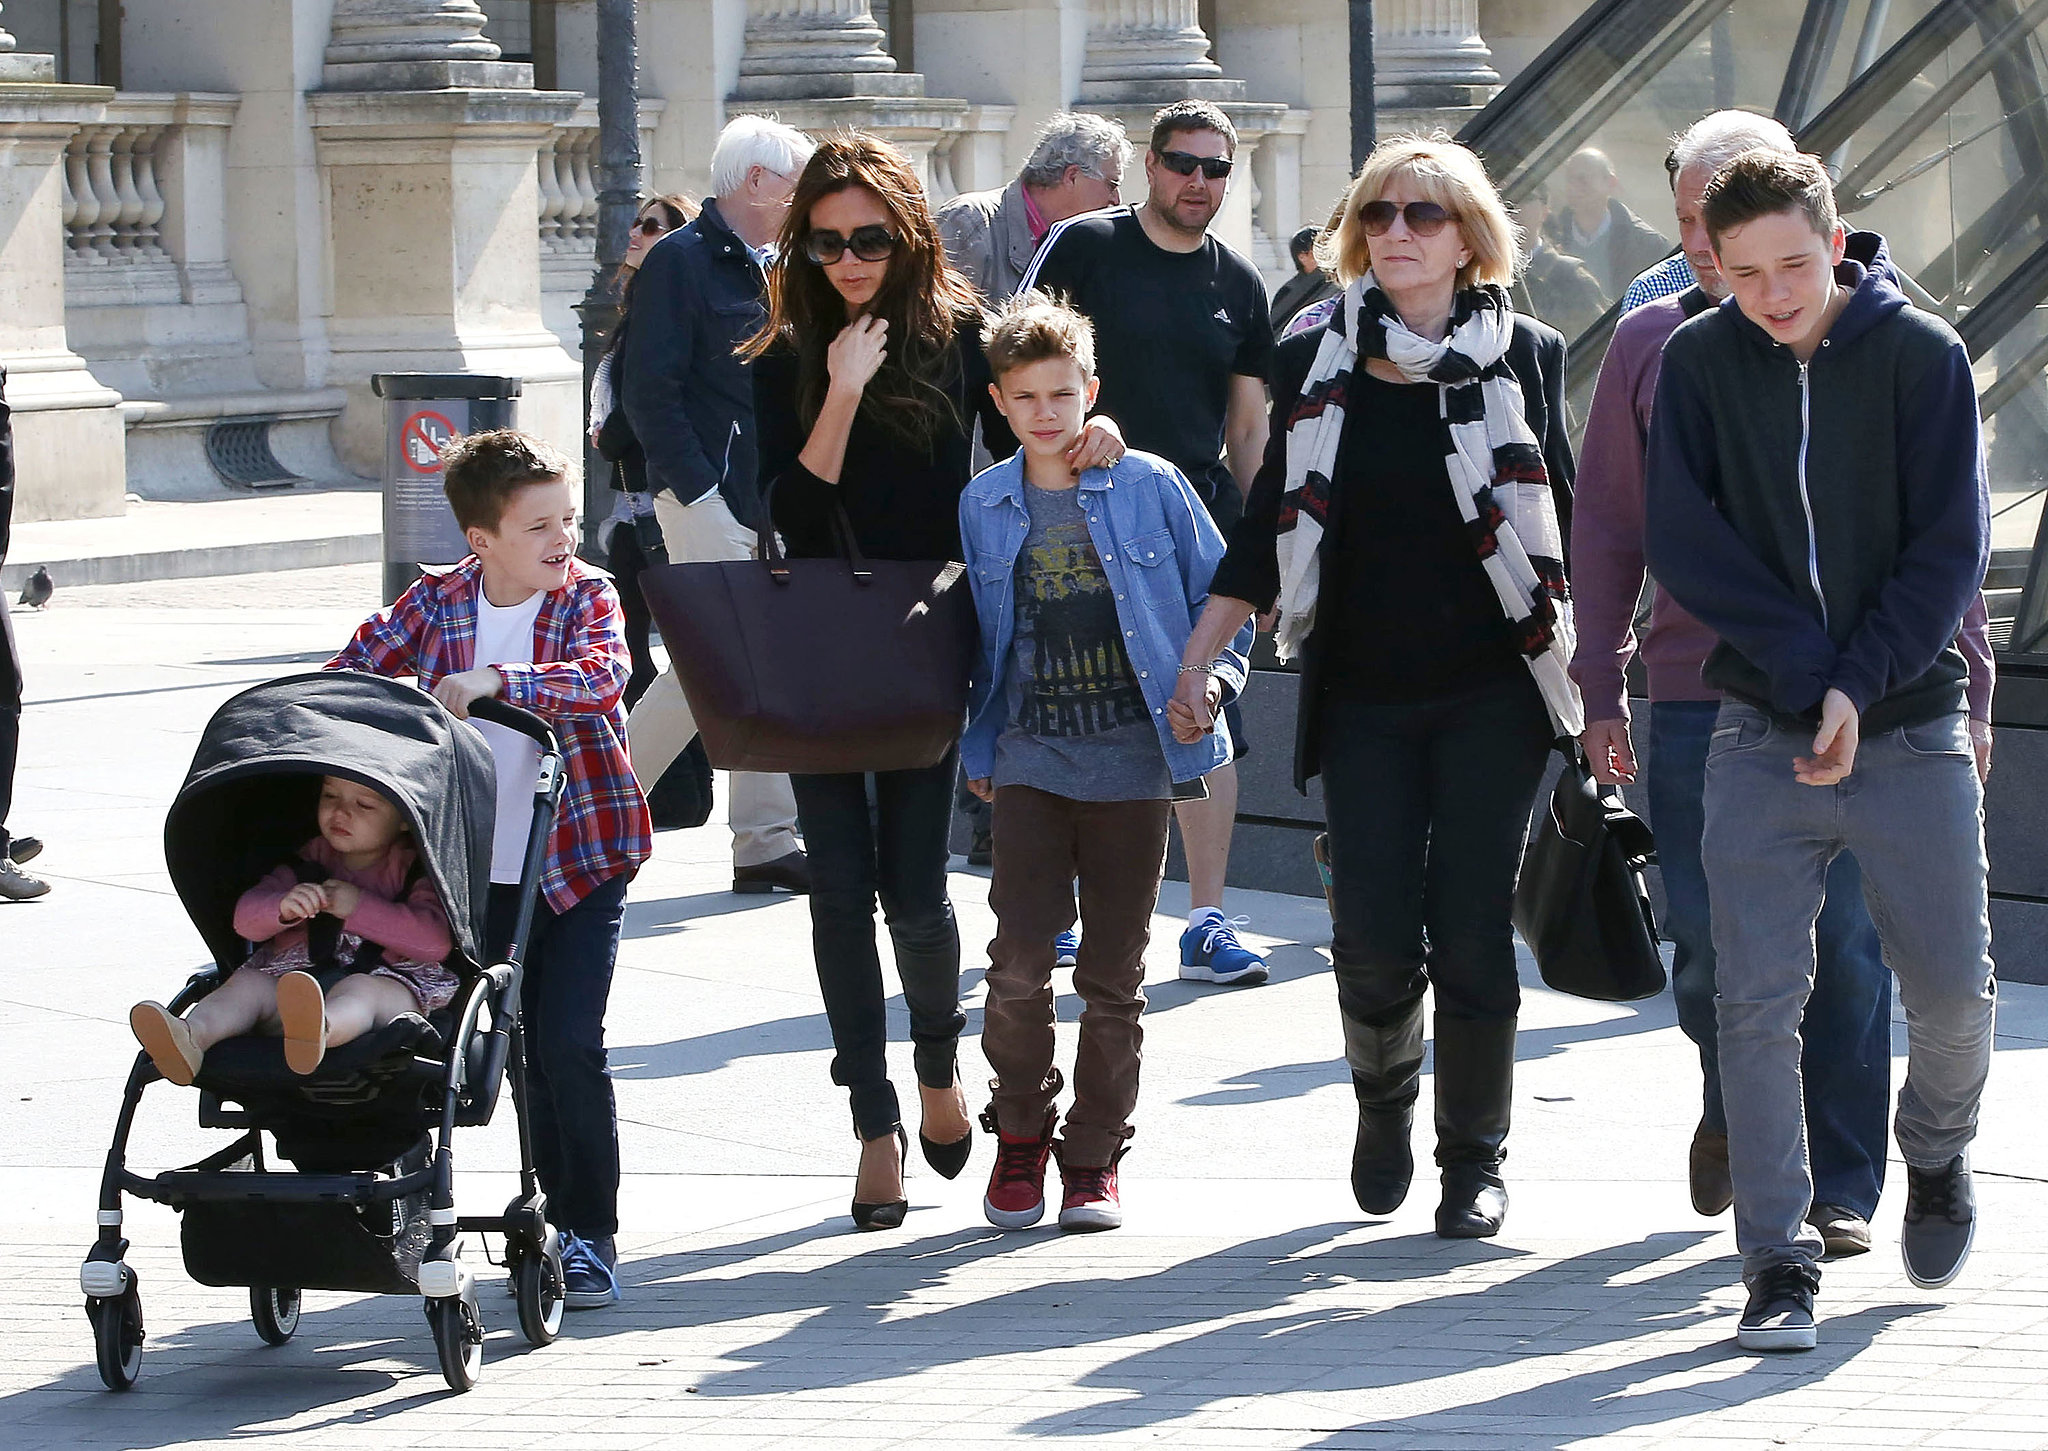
[{"x": 1494, "y": 460}]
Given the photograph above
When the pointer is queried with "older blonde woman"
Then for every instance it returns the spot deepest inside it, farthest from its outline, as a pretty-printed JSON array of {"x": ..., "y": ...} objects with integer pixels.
[{"x": 1405, "y": 526}]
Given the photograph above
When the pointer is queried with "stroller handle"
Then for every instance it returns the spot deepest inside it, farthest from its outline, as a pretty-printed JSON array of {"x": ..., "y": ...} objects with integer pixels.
[{"x": 516, "y": 718}]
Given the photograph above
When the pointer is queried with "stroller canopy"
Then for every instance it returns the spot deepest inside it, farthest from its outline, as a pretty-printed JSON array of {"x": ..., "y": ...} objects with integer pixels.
[{"x": 249, "y": 800}]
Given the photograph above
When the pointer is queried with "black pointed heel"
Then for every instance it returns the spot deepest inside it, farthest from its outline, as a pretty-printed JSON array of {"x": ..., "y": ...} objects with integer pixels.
[
  {"x": 947, "y": 1160},
  {"x": 888, "y": 1214}
]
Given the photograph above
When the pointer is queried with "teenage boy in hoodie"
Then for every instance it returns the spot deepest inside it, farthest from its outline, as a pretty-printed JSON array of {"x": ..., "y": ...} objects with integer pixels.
[
  {"x": 1846, "y": 1054},
  {"x": 1816, "y": 497}
]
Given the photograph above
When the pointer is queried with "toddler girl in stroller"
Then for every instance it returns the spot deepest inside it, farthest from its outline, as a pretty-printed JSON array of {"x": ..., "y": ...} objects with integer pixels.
[{"x": 352, "y": 907}]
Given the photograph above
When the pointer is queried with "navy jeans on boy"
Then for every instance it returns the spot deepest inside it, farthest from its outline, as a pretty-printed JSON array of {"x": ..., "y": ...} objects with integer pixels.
[
  {"x": 1846, "y": 1065},
  {"x": 569, "y": 1103},
  {"x": 890, "y": 846}
]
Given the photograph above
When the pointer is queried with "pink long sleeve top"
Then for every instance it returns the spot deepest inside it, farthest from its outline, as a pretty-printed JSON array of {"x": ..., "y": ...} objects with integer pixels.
[
  {"x": 1607, "y": 542},
  {"x": 413, "y": 929}
]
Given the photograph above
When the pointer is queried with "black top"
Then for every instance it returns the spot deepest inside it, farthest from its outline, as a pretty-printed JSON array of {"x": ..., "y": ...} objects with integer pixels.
[
  {"x": 1250, "y": 569},
  {"x": 1407, "y": 604},
  {"x": 904, "y": 502},
  {"x": 1171, "y": 329}
]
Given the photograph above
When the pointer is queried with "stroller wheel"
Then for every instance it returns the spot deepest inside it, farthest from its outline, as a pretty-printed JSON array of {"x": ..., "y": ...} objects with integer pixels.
[
  {"x": 537, "y": 1282},
  {"x": 458, "y": 1339},
  {"x": 276, "y": 1313},
  {"x": 117, "y": 1336}
]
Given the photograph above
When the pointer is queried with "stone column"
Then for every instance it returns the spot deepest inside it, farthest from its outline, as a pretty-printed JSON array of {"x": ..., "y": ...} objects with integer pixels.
[
  {"x": 414, "y": 45},
  {"x": 819, "y": 65},
  {"x": 426, "y": 143},
  {"x": 817, "y": 48},
  {"x": 14, "y": 67},
  {"x": 1150, "y": 51},
  {"x": 1429, "y": 58},
  {"x": 70, "y": 445}
]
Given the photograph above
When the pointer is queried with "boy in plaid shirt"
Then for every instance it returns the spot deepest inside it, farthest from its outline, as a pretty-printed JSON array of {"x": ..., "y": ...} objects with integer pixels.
[{"x": 524, "y": 619}]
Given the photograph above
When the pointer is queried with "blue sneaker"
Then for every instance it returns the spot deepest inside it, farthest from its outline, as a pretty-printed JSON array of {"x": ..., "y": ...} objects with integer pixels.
[
  {"x": 1066, "y": 949},
  {"x": 1210, "y": 952},
  {"x": 589, "y": 1272}
]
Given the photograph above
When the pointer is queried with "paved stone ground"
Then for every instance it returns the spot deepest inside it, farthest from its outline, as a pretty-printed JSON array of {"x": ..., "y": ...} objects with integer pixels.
[{"x": 1247, "y": 1304}]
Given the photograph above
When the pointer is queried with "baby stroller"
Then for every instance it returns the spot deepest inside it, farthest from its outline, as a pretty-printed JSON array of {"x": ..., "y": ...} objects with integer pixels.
[{"x": 368, "y": 1203}]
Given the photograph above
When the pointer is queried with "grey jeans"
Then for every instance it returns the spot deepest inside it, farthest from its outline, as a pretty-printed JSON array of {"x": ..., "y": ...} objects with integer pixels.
[{"x": 1912, "y": 812}]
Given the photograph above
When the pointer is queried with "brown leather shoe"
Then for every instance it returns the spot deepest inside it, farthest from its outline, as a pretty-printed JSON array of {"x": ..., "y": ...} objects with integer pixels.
[
  {"x": 1843, "y": 1232},
  {"x": 791, "y": 872},
  {"x": 1708, "y": 1171}
]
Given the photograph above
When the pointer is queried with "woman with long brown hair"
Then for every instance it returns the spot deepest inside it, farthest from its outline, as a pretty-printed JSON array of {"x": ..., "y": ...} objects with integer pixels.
[{"x": 869, "y": 375}]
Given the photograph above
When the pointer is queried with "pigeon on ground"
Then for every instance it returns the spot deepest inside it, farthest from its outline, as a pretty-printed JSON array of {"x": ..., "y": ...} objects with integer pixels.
[{"x": 36, "y": 593}]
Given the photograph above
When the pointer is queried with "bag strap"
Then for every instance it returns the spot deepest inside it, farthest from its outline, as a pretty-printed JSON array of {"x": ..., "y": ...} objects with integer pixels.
[{"x": 770, "y": 548}]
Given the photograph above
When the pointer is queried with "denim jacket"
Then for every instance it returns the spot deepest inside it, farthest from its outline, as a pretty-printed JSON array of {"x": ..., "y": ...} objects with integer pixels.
[{"x": 1158, "y": 549}]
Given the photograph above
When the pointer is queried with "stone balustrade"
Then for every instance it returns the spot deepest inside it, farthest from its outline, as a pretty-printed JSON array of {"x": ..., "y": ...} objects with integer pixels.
[
  {"x": 144, "y": 201},
  {"x": 568, "y": 190}
]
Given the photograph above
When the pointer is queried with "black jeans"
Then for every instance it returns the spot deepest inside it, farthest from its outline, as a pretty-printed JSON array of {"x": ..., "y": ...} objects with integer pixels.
[
  {"x": 10, "y": 720},
  {"x": 1428, "y": 806},
  {"x": 569, "y": 1105},
  {"x": 883, "y": 836}
]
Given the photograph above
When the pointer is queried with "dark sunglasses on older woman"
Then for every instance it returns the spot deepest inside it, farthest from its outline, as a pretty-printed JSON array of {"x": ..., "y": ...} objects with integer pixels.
[
  {"x": 1425, "y": 219},
  {"x": 870, "y": 244},
  {"x": 1182, "y": 163}
]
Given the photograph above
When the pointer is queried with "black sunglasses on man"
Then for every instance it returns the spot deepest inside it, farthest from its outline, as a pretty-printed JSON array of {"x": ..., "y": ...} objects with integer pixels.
[{"x": 1182, "y": 163}]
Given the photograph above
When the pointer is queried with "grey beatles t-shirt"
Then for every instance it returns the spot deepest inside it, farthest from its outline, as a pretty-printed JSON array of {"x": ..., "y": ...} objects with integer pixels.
[{"x": 1077, "y": 723}]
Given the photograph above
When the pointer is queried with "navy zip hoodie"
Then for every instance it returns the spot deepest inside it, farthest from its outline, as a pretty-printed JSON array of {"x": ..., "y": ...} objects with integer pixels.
[{"x": 1829, "y": 521}]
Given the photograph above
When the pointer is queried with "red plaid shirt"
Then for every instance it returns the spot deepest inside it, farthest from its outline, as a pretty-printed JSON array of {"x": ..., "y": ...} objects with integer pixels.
[{"x": 577, "y": 683}]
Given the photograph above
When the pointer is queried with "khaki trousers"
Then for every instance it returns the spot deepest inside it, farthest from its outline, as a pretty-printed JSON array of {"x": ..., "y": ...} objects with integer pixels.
[{"x": 762, "y": 809}]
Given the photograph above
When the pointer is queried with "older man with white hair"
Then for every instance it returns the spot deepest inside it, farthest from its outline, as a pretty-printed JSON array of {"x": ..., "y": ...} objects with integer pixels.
[
  {"x": 1846, "y": 1063},
  {"x": 1076, "y": 166},
  {"x": 691, "y": 406}
]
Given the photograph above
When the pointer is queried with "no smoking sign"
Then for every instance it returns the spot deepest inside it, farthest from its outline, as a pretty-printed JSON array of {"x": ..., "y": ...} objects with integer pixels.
[{"x": 423, "y": 437}]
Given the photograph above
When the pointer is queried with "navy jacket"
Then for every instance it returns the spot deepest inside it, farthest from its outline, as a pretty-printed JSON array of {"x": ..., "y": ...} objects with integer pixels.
[
  {"x": 1831, "y": 521},
  {"x": 690, "y": 401}
]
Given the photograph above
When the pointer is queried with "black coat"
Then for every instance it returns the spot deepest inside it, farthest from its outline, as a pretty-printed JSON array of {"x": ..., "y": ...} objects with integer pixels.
[{"x": 689, "y": 400}]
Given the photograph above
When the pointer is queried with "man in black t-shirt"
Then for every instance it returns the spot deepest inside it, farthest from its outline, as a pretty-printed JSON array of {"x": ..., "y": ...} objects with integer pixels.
[
  {"x": 1182, "y": 329},
  {"x": 1182, "y": 343}
]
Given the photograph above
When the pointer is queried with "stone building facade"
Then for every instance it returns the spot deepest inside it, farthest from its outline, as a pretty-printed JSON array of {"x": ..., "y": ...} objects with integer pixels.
[{"x": 223, "y": 217}]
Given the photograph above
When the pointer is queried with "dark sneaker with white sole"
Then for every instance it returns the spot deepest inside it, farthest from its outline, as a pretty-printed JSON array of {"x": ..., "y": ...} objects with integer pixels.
[
  {"x": 1842, "y": 1230},
  {"x": 590, "y": 1278},
  {"x": 1779, "y": 1315},
  {"x": 1941, "y": 1223}
]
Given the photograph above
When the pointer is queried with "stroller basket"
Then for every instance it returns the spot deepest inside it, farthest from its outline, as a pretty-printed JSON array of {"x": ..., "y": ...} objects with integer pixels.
[{"x": 348, "y": 1242}]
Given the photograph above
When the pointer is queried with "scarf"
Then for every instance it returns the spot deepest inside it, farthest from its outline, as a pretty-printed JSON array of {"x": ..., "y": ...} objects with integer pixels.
[{"x": 1494, "y": 462}]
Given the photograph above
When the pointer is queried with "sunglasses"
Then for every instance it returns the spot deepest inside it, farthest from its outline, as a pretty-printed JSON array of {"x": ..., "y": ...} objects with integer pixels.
[
  {"x": 650, "y": 226},
  {"x": 1425, "y": 219},
  {"x": 1180, "y": 163},
  {"x": 870, "y": 243}
]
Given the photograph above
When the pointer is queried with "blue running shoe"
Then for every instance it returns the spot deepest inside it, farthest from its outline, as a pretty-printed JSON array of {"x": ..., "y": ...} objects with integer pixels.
[
  {"x": 1210, "y": 952},
  {"x": 1066, "y": 949},
  {"x": 589, "y": 1273}
]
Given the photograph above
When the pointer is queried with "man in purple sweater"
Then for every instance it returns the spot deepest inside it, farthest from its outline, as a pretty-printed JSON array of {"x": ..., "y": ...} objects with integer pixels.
[{"x": 1847, "y": 1028}]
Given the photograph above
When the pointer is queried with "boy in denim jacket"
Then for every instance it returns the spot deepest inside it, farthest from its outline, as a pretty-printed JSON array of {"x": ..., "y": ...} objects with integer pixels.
[{"x": 1087, "y": 588}]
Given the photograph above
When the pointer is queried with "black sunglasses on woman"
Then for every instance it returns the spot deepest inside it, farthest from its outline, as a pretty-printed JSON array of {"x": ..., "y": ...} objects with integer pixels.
[
  {"x": 1425, "y": 219},
  {"x": 870, "y": 244}
]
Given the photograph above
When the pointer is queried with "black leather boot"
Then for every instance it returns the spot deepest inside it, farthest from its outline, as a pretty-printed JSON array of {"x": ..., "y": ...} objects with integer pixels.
[
  {"x": 1385, "y": 1059},
  {"x": 1475, "y": 1080}
]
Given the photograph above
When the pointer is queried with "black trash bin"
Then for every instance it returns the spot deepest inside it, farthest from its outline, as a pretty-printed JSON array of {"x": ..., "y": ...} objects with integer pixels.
[{"x": 423, "y": 412}]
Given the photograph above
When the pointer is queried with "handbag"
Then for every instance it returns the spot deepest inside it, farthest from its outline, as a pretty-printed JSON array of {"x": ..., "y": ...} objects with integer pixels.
[
  {"x": 819, "y": 666},
  {"x": 1581, "y": 904}
]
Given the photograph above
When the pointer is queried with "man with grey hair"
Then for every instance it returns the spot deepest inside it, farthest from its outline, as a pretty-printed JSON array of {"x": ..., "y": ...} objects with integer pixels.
[
  {"x": 1696, "y": 154},
  {"x": 1076, "y": 166},
  {"x": 690, "y": 403}
]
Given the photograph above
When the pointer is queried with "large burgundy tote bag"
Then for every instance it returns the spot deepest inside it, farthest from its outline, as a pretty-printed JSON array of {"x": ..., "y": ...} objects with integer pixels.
[{"x": 816, "y": 666}]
